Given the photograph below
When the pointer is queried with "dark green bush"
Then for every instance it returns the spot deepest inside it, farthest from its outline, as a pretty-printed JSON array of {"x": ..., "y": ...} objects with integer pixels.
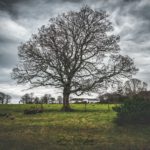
[
  {"x": 32, "y": 111},
  {"x": 133, "y": 111},
  {"x": 5, "y": 114}
]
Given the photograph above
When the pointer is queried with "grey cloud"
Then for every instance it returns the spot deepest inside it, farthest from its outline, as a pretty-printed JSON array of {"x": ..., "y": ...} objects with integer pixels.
[
  {"x": 75, "y": 1},
  {"x": 13, "y": 6},
  {"x": 5, "y": 39},
  {"x": 5, "y": 77},
  {"x": 130, "y": 18},
  {"x": 7, "y": 5},
  {"x": 7, "y": 60}
]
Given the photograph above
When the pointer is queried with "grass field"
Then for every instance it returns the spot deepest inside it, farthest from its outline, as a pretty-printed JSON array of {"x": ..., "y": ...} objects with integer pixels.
[{"x": 78, "y": 130}]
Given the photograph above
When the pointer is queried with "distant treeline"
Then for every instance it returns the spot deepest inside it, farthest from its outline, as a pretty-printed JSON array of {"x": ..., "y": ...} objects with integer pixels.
[
  {"x": 45, "y": 99},
  {"x": 4, "y": 98}
]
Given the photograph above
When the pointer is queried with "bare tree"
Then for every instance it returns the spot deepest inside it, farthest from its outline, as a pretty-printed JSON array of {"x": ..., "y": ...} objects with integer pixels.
[
  {"x": 73, "y": 52},
  {"x": 134, "y": 86},
  {"x": 36, "y": 100},
  {"x": 46, "y": 98},
  {"x": 60, "y": 99},
  {"x": 7, "y": 99},
  {"x": 52, "y": 100},
  {"x": 26, "y": 99},
  {"x": 4, "y": 98}
]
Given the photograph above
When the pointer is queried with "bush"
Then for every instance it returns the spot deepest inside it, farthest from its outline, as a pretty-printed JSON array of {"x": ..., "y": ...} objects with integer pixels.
[
  {"x": 33, "y": 111},
  {"x": 133, "y": 111},
  {"x": 5, "y": 114}
]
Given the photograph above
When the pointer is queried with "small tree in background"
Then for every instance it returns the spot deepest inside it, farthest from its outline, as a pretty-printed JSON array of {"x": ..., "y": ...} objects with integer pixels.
[
  {"x": 73, "y": 52},
  {"x": 7, "y": 98},
  {"x": 52, "y": 100},
  {"x": 134, "y": 86},
  {"x": 46, "y": 98},
  {"x": 60, "y": 99},
  {"x": 26, "y": 99},
  {"x": 36, "y": 100},
  {"x": 4, "y": 98}
]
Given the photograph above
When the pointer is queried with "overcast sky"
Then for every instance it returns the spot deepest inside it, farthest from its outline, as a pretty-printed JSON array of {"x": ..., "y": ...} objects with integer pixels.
[{"x": 20, "y": 18}]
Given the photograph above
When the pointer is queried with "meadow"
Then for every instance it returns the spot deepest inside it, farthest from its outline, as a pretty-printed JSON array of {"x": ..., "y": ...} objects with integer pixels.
[{"x": 93, "y": 129}]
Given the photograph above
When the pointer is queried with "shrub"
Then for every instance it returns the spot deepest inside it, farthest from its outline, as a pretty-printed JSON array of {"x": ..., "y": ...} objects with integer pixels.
[
  {"x": 5, "y": 114},
  {"x": 33, "y": 111},
  {"x": 133, "y": 111}
]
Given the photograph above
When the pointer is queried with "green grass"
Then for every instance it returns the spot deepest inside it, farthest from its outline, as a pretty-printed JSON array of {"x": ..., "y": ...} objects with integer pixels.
[{"x": 78, "y": 130}]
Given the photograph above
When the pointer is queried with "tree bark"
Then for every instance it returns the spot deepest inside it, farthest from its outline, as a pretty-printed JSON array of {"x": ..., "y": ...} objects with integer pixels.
[{"x": 66, "y": 106}]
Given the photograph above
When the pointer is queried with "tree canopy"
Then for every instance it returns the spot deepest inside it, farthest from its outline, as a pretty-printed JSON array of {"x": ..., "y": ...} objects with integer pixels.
[{"x": 75, "y": 52}]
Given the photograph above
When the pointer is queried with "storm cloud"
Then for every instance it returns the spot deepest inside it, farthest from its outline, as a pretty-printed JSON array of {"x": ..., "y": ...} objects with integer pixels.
[{"x": 20, "y": 18}]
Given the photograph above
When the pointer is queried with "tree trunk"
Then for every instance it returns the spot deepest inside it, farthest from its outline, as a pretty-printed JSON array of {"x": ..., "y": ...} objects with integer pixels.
[
  {"x": 2, "y": 101},
  {"x": 66, "y": 106}
]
